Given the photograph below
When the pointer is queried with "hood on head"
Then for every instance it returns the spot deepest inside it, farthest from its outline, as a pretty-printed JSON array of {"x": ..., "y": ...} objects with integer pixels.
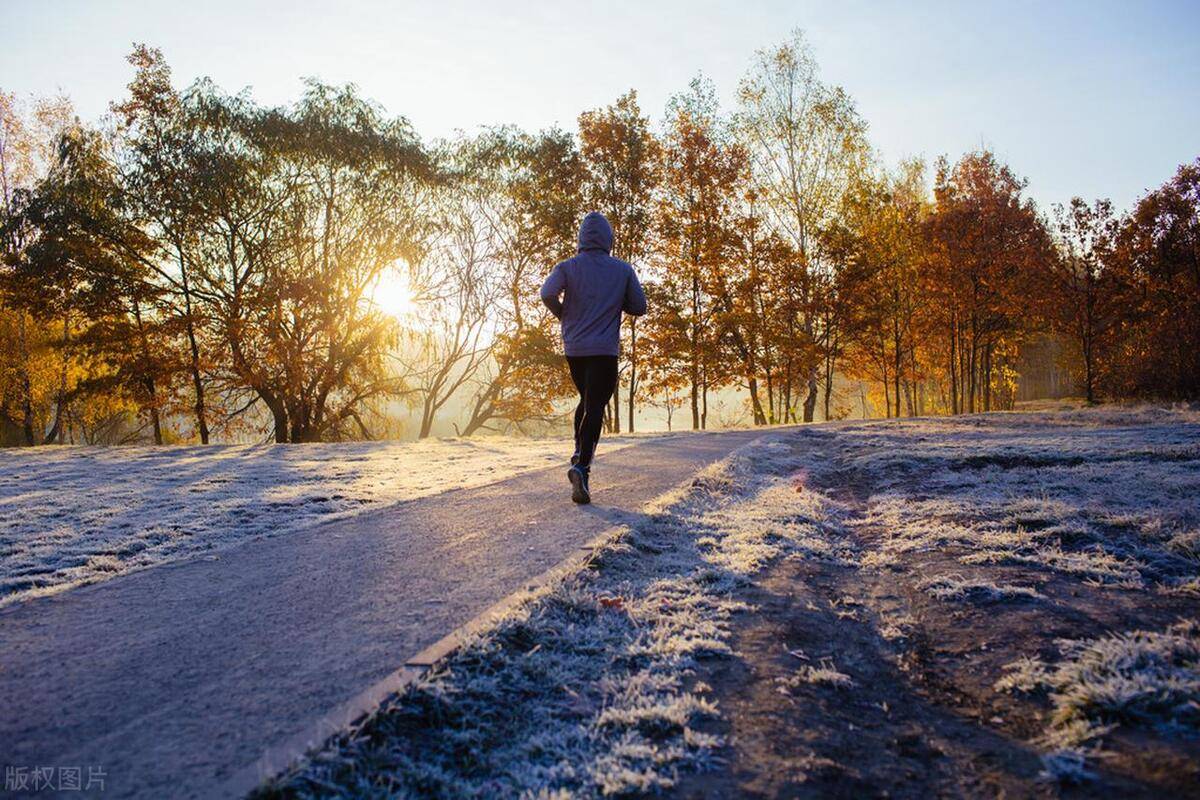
[{"x": 595, "y": 233}]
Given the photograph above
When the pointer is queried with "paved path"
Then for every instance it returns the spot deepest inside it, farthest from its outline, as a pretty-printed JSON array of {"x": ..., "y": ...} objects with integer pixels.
[{"x": 176, "y": 678}]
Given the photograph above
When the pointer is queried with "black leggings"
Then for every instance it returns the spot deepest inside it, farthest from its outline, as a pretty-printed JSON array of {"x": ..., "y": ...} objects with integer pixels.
[{"x": 595, "y": 377}]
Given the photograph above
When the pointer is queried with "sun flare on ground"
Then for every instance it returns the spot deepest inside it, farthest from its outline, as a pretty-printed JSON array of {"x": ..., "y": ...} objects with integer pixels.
[{"x": 392, "y": 294}]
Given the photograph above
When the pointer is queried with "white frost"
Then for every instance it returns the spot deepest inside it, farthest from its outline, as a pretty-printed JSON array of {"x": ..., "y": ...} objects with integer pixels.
[{"x": 74, "y": 515}]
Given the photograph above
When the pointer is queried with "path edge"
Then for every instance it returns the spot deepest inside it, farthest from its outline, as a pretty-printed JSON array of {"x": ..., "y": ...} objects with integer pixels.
[{"x": 279, "y": 757}]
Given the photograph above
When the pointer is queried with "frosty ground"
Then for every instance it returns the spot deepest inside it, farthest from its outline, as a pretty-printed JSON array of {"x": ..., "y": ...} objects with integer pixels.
[
  {"x": 995, "y": 605},
  {"x": 75, "y": 515}
]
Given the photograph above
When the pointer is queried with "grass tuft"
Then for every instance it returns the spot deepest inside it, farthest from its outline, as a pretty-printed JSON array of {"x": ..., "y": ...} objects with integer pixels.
[
  {"x": 826, "y": 674},
  {"x": 1066, "y": 765},
  {"x": 1144, "y": 678},
  {"x": 955, "y": 587}
]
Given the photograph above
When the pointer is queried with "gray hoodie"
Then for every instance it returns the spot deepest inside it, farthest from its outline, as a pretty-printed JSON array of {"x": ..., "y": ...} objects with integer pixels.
[{"x": 595, "y": 289}]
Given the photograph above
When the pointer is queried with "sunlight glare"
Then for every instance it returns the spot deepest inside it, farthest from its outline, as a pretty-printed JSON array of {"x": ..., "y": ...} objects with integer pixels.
[{"x": 391, "y": 293}]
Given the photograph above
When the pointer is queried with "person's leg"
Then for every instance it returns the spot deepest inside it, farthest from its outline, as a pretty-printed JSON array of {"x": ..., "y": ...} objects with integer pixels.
[
  {"x": 600, "y": 383},
  {"x": 578, "y": 367}
]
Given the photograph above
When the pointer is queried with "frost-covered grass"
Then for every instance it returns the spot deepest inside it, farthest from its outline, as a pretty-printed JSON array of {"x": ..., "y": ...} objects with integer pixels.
[
  {"x": 1106, "y": 495},
  {"x": 823, "y": 674},
  {"x": 587, "y": 689},
  {"x": 1096, "y": 507},
  {"x": 73, "y": 515},
  {"x": 1066, "y": 765},
  {"x": 956, "y": 587},
  {"x": 1145, "y": 678}
]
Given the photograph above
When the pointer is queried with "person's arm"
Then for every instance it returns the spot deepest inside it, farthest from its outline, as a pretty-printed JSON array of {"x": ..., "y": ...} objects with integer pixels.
[
  {"x": 552, "y": 288},
  {"x": 635, "y": 298}
]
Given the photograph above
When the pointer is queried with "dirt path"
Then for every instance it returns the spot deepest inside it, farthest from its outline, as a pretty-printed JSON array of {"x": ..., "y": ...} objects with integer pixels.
[
  {"x": 174, "y": 678},
  {"x": 882, "y": 736},
  {"x": 917, "y": 714}
]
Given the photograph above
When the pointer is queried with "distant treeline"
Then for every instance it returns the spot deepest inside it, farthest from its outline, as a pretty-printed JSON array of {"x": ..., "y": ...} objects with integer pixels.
[{"x": 198, "y": 265}]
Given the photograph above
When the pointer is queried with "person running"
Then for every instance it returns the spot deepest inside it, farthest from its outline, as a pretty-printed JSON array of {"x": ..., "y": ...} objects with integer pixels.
[{"x": 594, "y": 289}]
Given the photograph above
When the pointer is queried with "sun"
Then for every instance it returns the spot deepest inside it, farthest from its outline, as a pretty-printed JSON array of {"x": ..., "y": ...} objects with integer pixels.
[{"x": 392, "y": 295}]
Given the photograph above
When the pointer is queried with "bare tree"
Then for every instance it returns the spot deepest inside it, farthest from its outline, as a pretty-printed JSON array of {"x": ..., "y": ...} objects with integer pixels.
[{"x": 457, "y": 295}]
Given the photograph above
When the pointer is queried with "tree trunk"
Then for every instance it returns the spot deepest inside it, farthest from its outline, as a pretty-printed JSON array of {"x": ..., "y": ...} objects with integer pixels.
[
  {"x": 953, "y": 366},
  {"x": 887, "y": 388},
  {"x": 26, "y": 381},
  {"x": 972, "y": 367},
  {"x": 896, "y": 377},
  {"x": 55, "y": 429},
  {"x": 279, "y": 415},
  {"x": 155, "y": 422},
  {"x": 615, "y": 416},
  {"x": 632, "y": 368},
  {"x": 426, "y": 417},
  {"x": 148, "y": 377},
  {"x": 60, "y": 398},
  {"x": 1089, "y": 376},
  {"x": 760, "y": 418},
  {"x": 695, "y": 343},
  {"x": 830, "y": 362},
  {"x": 194, "y": 365},
  {"x": 770, "y": 398},
  {"x": 785, "y": 393},
  {"x": 695, "y": 401},
  {"x": 962, "y": 372},
  {"x": 810, "y": 401},
  {"x": 887, "y": 379},
  {"x": 987, "y": 377}
]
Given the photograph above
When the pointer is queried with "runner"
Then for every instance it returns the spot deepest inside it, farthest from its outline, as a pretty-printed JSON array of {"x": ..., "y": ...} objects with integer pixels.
[{"x": 588, "y": 293}]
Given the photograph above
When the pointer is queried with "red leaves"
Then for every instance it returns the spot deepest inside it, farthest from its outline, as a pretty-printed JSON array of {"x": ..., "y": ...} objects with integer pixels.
[{"x": 616, "y": 603}]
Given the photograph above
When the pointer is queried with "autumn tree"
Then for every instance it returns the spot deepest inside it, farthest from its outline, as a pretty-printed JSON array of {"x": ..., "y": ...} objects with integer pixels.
[
  {"x": 877, "y": 243},
  {"x": 806, "y": 140},
  {"x": 458, "y": 288},
  {"x": 986, "y": 241},
  {"x": 33, "y": 371},
  {"x": 1156, "y": 264},
  {"x": 701, "y": 165},
  {"x": 301, "y": 209},
  {"x": 484, "y": 347},
  {"x": 739, "y": 288},
  {"x": 1079, "y": 294},
  {"x": 665, "y": 333},
  {"x": 156, "y": 155},
  {"x": 74, "y": 271}
]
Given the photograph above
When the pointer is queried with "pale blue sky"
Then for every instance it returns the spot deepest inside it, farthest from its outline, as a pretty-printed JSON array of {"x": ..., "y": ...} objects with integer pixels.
[{"x": 1089, "y": 98}]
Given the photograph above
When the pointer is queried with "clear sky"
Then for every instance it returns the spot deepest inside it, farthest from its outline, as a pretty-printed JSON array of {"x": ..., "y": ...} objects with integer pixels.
[{"x": 1089, "y": 98}]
